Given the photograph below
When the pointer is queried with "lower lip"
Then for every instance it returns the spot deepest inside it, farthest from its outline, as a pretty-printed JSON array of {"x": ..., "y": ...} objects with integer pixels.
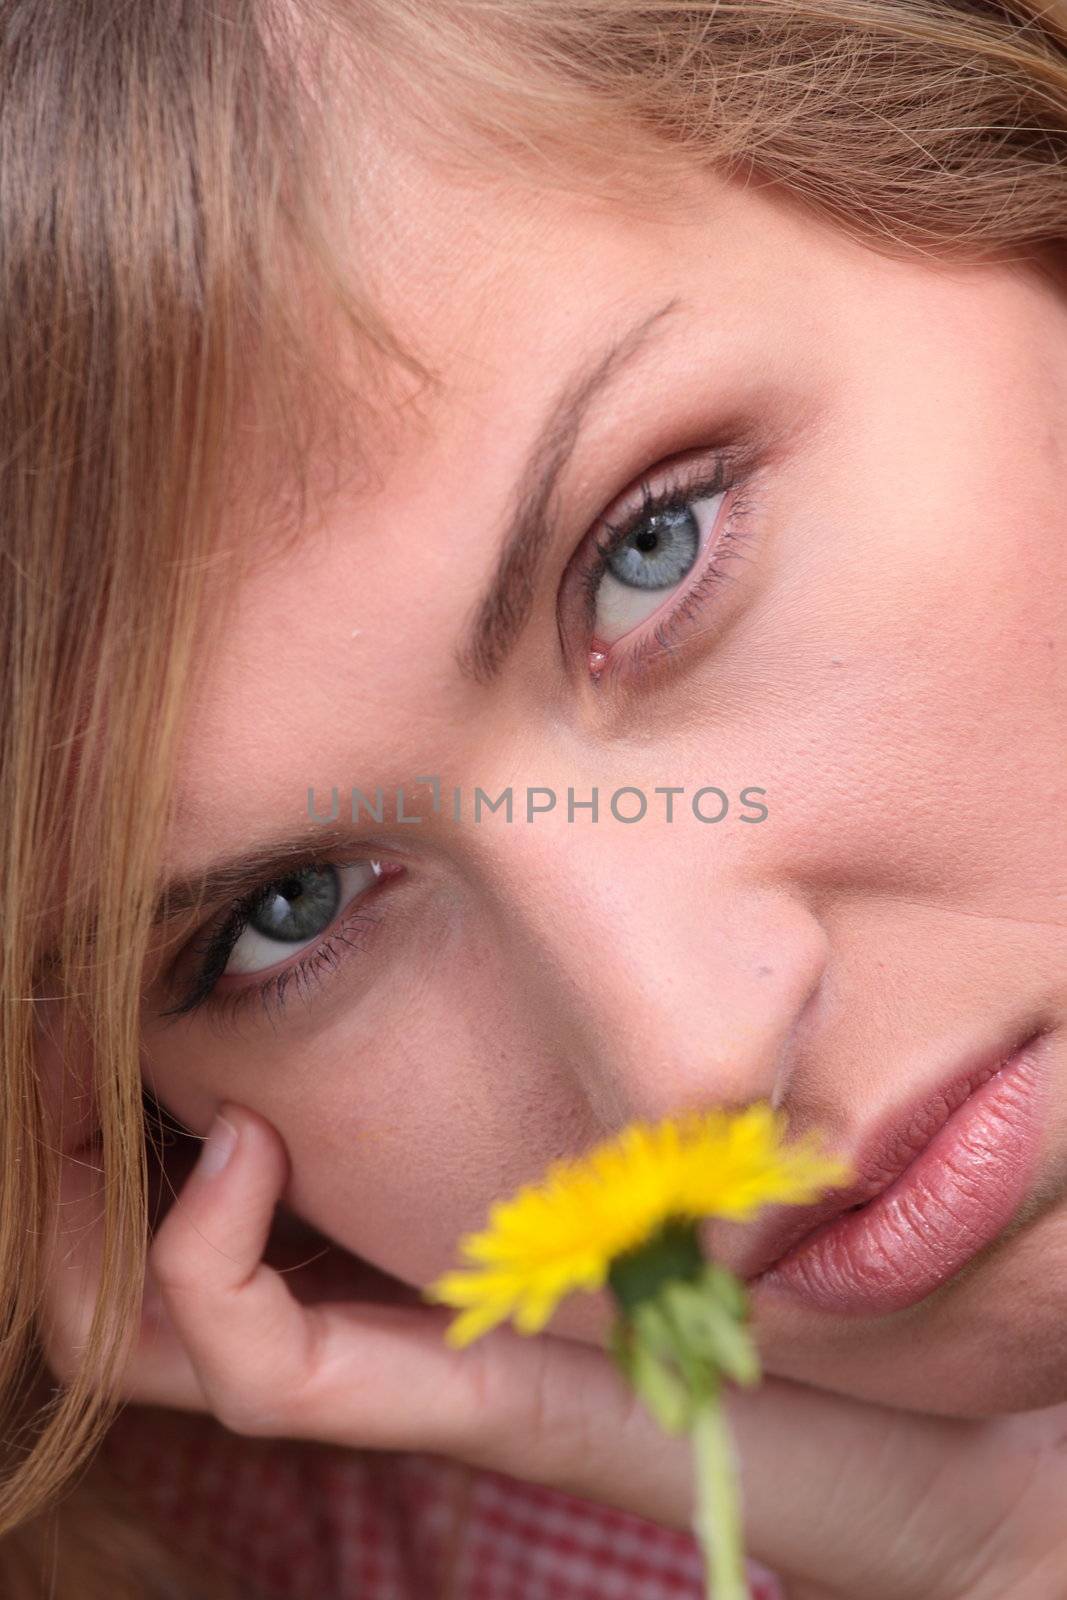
[{"x": 954, "y": 1198}]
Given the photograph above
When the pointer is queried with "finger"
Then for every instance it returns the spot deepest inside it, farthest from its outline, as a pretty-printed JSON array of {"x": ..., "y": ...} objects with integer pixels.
[
  {"x": 839, "y": 1496},
  {"x": 234, "y": 1315},
  {"x": 157, "y": 1369},
  {"x": 266, "y": 1362}
]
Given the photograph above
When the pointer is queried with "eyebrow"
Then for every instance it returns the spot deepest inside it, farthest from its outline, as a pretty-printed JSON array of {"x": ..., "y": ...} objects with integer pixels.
[
  {"x": 498, "y": 621},
  {"x": 504, "y": 609}
]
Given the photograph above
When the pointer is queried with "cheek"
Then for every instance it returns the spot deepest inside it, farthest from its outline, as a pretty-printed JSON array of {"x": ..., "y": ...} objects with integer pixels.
[
  {"x": 382, "y": 1179},
  {"x": 376, "y": 1155},
  {"x": 922, "y": 640},
  {"x": 396, "y": 1175},
  {"x": 374, "y": 1102},
  {"x": 401, "y": 1140}
]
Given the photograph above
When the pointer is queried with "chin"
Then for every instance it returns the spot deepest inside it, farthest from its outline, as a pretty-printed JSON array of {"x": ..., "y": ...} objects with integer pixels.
[
  {"x": 991, "y": 1341},
  {"x": 988, "y": 1371}
]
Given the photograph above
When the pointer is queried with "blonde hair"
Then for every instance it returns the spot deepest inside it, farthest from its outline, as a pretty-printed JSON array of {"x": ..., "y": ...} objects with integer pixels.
[{"x": 176, "y": 240}]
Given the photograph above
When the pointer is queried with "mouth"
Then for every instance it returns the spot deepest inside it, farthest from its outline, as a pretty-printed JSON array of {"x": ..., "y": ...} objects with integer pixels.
[{"x": 938, "y": 1181}]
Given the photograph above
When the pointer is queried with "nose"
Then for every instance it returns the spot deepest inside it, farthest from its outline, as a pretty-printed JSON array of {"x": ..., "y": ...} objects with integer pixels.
[{"x": 662, "y": 977}]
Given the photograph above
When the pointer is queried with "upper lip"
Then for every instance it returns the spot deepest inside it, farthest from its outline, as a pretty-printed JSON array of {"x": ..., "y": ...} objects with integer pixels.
[{"x": 877, "y": 1156}]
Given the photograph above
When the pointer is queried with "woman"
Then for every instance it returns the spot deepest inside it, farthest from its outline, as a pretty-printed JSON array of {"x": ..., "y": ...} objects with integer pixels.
[{"x": 456, "y": 401}]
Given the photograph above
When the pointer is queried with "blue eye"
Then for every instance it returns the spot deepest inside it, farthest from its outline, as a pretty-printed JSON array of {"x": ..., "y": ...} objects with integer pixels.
[
  {"x": 283, "y": 917},
  {"x": 660, "y": 552},
  {"x": 656, "y": 556},
  {"x": 294, "y": 911},
  {"x": 662, "y": 562}
]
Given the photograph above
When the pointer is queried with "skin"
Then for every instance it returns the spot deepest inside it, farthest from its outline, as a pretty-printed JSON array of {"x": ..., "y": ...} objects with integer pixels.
[{"x": 886, "y": 658}]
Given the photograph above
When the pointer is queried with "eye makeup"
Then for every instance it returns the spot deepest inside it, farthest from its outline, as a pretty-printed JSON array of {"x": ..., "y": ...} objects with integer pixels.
[
  {"x": 672, "y": 498},
  {"x": 210, "y": 952}
]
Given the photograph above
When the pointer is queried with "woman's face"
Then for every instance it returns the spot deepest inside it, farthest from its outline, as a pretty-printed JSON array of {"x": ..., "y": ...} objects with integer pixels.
[{"x": 853, "y": 605}]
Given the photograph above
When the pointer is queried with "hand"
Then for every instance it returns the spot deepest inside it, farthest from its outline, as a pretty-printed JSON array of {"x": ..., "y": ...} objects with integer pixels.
[{"x": 841, "y": 1498}]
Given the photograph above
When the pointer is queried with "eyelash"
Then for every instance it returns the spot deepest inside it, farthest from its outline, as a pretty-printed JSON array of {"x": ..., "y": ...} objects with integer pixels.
[
  {"x": 215, "y": 946},
  {"x": 727, "y": 539}
]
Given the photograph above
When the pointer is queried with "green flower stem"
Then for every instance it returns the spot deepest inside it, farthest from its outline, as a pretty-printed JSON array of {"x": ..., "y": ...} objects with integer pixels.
[
  {"x": 717, "y": 1518},
  {"x": 681, "y": 1332}
]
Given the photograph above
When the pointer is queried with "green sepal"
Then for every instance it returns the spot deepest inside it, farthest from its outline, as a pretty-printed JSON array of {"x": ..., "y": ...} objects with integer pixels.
[
  {"x": 724, "y": 1287},
  {"x": 681, "y": 1329},
  {"x": 666, "y": 1396},
  {"x": 712, "y": 1333},
  {"x": 672, "y": 1341},
  {"x": 637, "y": 1350}
]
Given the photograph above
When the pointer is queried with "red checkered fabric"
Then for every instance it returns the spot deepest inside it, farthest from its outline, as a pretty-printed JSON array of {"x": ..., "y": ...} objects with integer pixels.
[{"x": 313, "y": 1522}]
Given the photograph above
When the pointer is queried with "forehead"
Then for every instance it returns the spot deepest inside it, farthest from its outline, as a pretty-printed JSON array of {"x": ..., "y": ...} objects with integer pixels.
[
  {"x": 334, "y": 668},
  {"x": 498, "y": 281}
]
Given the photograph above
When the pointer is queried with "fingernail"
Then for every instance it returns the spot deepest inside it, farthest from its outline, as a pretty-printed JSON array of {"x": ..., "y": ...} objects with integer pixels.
[{"x": 218, "y": 1146}]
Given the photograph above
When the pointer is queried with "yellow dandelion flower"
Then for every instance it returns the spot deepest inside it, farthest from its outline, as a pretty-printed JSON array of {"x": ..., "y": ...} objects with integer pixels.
[{"x": 563, "y": 1235}]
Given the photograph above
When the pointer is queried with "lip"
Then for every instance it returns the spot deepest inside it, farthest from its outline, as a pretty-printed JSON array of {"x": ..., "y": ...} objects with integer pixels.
[{"x": 938, "y": 1181}]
